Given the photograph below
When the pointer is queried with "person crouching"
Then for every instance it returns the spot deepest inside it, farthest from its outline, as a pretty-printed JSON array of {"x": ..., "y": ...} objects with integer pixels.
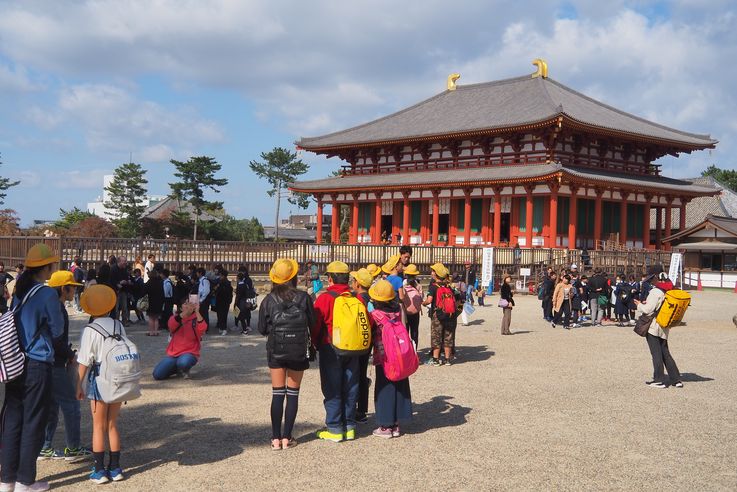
[{"x": 183, "y": 351}]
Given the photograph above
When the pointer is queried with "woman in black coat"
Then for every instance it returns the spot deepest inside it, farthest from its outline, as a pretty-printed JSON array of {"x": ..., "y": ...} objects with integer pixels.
[
  {"x": 506, "y": 303},
  {"x": 245, "y": 299},
  {"x": 154, "y": 289}
]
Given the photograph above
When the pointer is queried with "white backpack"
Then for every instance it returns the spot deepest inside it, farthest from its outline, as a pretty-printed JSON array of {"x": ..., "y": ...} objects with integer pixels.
[
  {"x": 12, "y": 355},
  {"x": 119, "y": 379}
]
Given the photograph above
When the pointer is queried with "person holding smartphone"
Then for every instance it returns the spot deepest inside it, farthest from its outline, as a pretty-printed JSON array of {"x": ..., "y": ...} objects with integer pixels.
[{"x": 183, "y": 352}]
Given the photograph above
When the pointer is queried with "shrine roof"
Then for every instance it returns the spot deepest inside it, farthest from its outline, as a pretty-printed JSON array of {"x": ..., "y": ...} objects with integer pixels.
[
  {"x": 498, "y": 175},
  {"x": 506, "y": 104}
]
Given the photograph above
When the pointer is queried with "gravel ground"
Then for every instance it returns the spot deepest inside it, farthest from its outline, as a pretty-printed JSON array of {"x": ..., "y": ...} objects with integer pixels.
[{"x": 543, "y": 409}]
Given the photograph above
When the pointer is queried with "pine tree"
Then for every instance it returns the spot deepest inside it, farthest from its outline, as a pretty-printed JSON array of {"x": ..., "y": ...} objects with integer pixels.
[
  {"x": 197, "y": 175},
  {"x": 127, "y": 193},
  {"x": 281, "y": 168},
  {"x": 5, "y": 184}
]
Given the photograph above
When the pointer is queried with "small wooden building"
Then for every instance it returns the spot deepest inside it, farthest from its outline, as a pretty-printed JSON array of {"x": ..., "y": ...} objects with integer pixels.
[{"x": 524, "y": 161}]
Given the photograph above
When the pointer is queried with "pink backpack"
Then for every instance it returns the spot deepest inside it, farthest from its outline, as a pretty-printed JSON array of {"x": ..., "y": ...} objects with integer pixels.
[
  {"x": 400, "y": 357},
  {"x": 413, "y": 300}
]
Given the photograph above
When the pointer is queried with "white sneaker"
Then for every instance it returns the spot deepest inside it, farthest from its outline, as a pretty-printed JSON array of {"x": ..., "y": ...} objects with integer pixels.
[
  {"x": 7, "y": 487},
  {"x": 19, "y": 487},
  {"x": 657, "y": 385},
  {"x": 223, "y": 332}
]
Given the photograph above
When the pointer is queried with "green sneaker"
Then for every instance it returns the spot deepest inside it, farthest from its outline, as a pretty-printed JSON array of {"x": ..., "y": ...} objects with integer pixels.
[
  {"x": 326, "y": 435},
  {"x": 350, "y": 435},
  {"x": 50, "y": 454},
  {"x": 76, "y": 454}
]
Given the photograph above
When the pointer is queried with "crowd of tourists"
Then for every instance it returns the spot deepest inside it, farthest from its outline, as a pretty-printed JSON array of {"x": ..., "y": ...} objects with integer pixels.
[{"x": 356, "y": 318}]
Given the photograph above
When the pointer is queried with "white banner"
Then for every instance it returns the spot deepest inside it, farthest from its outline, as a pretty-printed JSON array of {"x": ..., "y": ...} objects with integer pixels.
[
  {"x": 675, "y": 267},
  {"x": 487, "y": 266}
]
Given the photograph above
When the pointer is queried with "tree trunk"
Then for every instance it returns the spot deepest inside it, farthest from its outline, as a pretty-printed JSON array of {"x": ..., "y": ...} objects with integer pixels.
[
  {"x": 196, "y": 220},
  {"x": 278, "y": 203}
]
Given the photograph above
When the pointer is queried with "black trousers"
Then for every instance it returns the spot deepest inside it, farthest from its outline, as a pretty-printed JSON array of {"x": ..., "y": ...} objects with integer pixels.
[
  {"x": 222, "y": 313},
  {"x": 565, "y": 313},
  {"x": 205, "y": 313},
  {"x": 25, "y": 413},
  {"x": 363, "y": 384},
  {"x": 548, "y": 308},
  {"x": 661, "y": 357},
  {"x": 413, "y": 326}
]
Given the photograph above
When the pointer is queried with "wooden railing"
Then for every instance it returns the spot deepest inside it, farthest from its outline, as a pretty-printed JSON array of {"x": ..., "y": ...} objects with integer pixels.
[{"x": 177, "y": 254}]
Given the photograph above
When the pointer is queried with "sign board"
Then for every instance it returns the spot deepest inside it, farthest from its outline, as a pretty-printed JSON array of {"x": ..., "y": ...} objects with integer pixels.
[
  {"x": 675, "y": 267},
  {"x": 525, "y": 272},
  {"x": 487, "y": 266}
]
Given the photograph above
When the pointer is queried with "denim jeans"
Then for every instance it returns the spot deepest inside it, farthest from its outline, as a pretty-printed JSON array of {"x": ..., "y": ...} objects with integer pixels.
[
  {"x": 172, "y": 365},
  {"x": 64, "y": 396},
  {"x": 339, "y": 382},
  {"x": 25, "y": 412},
  {"x": 122, "y": 310}
]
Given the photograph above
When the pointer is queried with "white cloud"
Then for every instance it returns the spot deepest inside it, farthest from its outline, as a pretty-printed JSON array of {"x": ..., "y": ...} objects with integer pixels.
[
  {"x": 76, "y": 179},
  {"x": 16, "y": 80}
]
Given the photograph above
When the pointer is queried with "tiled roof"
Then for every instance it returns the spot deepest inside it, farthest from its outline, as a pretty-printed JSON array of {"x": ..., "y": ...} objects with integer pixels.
[
  {"x": 727, "y": 224},
  {"x": 493, "y": 175},
  {"x": 165, "y": 208},
  {"x": 501, "y": 104},
  {"x": 723, "y": 204}
]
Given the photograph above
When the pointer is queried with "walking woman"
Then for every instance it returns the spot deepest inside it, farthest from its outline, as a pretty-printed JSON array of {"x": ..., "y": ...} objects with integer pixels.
[
  {"x": 562, "y": 302},
  {"x": 154, "y": 289},
  {"x": 28, "y": 398},
  {"x": 657, "y": 336},
  {"x": 506, "y": 303},
  {"x": 245, "y": 300},
  {"x": 285, "y": 311}
]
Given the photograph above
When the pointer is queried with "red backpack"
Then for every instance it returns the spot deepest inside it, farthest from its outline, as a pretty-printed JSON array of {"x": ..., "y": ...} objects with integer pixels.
[{"x": 445, "y": 302}]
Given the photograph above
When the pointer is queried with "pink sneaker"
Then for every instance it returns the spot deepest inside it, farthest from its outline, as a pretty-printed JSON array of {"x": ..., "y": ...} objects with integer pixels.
[{"x": 385, "y": 432}]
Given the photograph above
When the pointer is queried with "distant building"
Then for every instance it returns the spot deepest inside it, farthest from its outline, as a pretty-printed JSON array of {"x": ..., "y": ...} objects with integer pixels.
[
  {"x": 306, "y": 221},
  {"x": 98, "y": 206},
  {"x": 163, "y": 210},
  {"x": 290, "y": 235}
]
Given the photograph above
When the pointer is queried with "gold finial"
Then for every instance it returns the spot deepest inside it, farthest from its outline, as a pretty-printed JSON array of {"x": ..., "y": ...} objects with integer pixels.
[
  {"x": 452, "y": 81},
  {"x": 542, "y": 68}
]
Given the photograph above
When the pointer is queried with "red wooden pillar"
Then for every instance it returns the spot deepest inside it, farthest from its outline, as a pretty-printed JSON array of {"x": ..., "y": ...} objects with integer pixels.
[
  {"x": 658, "y": 225},
  {"x": 553, "y": 221},
  {"x": 435, "y": 216},
  {"x": 682, "y": 216},
  {"x": 646, "y": 222},
  {"x": 597, "y": 217},
  {"x": 467, "y": 218},
  {"x": 668, "y": 217},
  {"x": 485, "y": 216},
  {"x": 318, "y": 237},
  {"x": 377, "y": 220},
  {"x": 497, "y": 216},
  {"x": 423, "y": 223},
  {"x": 396, "y": 219},
  {"x": 335, "y": 223},
  {"x": 572, "y": 218},
  {"x": 452, "y": 221},
  {"x": 405, "y": 219},
  {"x": 528, "y": 217},
  {"x": 354, "y": 223},
  {"x": 623, "y": 218}
]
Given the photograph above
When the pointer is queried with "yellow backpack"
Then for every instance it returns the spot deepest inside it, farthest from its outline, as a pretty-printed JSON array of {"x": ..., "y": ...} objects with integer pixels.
[
  {"x": 351, "y": 328},
  {"x": 674, "y": 307}
]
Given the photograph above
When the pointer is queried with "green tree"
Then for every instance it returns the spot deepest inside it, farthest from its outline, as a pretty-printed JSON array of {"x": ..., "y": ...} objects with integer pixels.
[
  {"x": 728, "y": 177},
  {"x": 232, "y": 229},
  {"x": 195, "y": 177},
  {"x": 281, "y": 168},
  {"x": 5, "y": 184},
  {"x": 127, "y": 193},
  {"x": 68, "y": 218}
]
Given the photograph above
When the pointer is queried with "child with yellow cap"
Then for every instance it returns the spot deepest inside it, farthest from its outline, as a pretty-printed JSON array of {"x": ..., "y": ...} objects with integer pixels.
[
  {"x": 28, "y": 397},
  {"x": 362, "y": 279}
]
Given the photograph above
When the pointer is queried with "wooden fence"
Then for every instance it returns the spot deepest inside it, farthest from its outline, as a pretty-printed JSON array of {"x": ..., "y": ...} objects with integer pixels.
[{"x": 177, "y": 254}]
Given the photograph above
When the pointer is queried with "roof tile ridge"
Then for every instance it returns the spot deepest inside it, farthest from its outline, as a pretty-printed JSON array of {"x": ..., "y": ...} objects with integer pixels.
[
  {"x": 492, "y": 83},
  {"x": 630, "y": 115},
  {"x": 557, "y": 108}
]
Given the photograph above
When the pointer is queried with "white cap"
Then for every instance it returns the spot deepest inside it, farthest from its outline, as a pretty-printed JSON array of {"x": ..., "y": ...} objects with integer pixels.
[{"x": 574, "y": 267}]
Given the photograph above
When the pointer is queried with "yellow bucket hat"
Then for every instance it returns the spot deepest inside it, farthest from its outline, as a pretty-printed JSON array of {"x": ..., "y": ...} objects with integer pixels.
[
  {"x": 382, "y": 291},
  {"x": 40, "y": 255},
  {"x": 439, "y": 270},
  {"x": 98, "y": 300},
  {"x": 373, "y": 269},
  {"x": 338, "y": 267},
  {"x": 363, "y": 277},
  {"x": 283, "y": 270},
  {"x": 61, "y": 278},
  {"x": 390, "y": 264},
  {"x": 411, "y": 270}
]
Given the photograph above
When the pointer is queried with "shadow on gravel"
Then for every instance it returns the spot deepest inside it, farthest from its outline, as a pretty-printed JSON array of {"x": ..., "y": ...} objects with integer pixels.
[
  {"x": 473, "y": 354},
  {"x": 521, "y": 332},
  {"x": 155, "y": 434},
  {"x": 690, "y": 377},
  {"x": 437, "y": 413}
]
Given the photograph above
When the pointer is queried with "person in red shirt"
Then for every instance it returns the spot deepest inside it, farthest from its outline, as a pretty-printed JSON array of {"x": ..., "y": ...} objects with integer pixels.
[
  {"x": 338, "y": 374},
  {"x": 183, "y": 350}
]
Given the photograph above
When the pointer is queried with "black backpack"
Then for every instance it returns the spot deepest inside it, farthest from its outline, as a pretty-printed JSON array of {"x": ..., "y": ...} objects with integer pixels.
[{"x": 289, "y": 336}]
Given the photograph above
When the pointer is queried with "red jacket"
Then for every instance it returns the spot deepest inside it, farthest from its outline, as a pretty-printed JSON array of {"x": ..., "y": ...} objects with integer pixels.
[
  {"x": 322, "y": 330},
  {"x": 186, "y": 334}
]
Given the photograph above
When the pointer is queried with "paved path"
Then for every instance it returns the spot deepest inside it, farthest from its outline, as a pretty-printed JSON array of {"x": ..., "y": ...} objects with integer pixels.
[{"x": 543, "y": 409}]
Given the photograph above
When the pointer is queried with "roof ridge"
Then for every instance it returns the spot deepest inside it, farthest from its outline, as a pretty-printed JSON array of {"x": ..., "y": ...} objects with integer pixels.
[{"x": 629, "y": 115}]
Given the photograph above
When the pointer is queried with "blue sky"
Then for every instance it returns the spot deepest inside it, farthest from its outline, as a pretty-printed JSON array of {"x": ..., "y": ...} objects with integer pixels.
[{"x": 84, "y": 84}]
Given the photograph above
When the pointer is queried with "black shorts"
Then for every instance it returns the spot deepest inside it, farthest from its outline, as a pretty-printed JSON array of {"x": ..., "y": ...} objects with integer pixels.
[{"x": 291, "y": 365}]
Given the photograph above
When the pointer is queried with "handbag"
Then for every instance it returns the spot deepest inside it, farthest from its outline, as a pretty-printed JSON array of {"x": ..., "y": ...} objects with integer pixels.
[
  {"x": 142, "y": 304},
  {"x": 503, "y": 303},
  {"x": 642, "y": 325}
]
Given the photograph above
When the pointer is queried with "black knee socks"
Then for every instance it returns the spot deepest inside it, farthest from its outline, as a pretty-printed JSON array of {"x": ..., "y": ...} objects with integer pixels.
[
  {"x": 277, "y": 409},
  {"x": 99, "y": 460},
  {"x": 290, "y": 414},
  {"x": 114, "y": 460}
]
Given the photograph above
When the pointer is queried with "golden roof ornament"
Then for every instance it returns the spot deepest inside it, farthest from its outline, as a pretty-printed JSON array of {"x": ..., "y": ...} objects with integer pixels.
[
  {"x": 452, "y": 81},
  {"x": 542, "y": 68}
]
